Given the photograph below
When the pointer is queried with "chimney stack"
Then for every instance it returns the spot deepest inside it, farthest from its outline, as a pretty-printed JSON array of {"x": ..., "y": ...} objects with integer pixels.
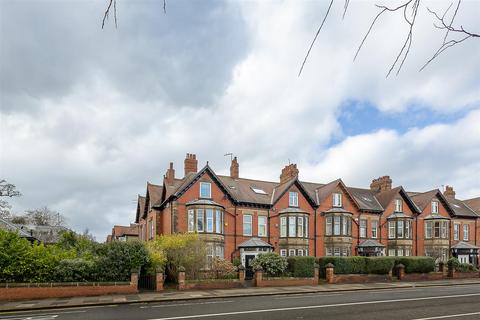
[
  {"x": 449, "y": 193},
  {"x": 191, "y": 163},
  {"x": 288, "y": 173},
  {"x": 234, "y": 169},
  {"x": 381, "y": 184},
  {"x": 170, "y": 175}
]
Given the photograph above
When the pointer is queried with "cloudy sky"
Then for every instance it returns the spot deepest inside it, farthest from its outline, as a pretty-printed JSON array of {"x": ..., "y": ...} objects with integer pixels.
[{"x": 89, "y": 115}]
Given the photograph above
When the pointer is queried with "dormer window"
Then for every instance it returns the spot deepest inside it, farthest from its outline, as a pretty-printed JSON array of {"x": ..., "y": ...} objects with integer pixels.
[
  {"x": 293, "y": 199},
  {"x": 337, "y": 200},
  {"x": 205, "y": 190},
  {"x": 434, "y": 207},
  {"x": 398, "y": 205}
]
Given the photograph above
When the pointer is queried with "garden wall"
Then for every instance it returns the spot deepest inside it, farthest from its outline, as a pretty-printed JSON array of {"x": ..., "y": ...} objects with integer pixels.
[
  {"x": 42, "y": 291},
  {"x": 213, "y": 284}
]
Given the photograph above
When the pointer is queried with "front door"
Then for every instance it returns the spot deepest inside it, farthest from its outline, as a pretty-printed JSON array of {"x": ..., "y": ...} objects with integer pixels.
[{"x": 248, "y": 266}]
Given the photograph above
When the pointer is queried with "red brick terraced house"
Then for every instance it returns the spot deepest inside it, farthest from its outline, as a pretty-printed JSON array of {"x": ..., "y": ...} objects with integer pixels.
[{"x": 239, "y": 217}]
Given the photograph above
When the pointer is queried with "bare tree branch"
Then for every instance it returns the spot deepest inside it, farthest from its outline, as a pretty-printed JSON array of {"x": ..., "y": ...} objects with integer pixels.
[
  {"x": 107, "y": 11},
  {"x": 449, "y": 30},
  {"x": 315, "y": 38},
  {"x": 345, "y": 7}
]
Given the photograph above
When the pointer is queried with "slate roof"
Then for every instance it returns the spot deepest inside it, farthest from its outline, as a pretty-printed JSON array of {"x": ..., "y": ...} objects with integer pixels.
[
  {"x": 385, "y": 197},
  {"x": 370, "y": 243},
  {"x": 119, "y": 231},
  {"x": 155, "y": 193},
  {"x": 464, "y": 245},
  {"x": 7, "y": 225},
  {"x": 254, "y": 243},
  {"x": 140, "y": 208},
  {"x": 241, "y": 189},
  {"x": 365, "y": 199},
  {"x": 473, "y": 204},
  {"x": 460, "y": 209}
]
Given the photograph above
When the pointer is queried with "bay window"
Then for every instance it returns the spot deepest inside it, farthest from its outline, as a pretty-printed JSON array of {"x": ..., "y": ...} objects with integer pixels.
[
  {"x": 283, "y": 226},
  {"x": 205, "y": 220},
  {"x": 291, "y": 227},
  {"x": 436, "y": 229},
  {"x": 340, "y": 225},
  {"x": 391, "y": 230},
  {"x": 294, "y": 226}
]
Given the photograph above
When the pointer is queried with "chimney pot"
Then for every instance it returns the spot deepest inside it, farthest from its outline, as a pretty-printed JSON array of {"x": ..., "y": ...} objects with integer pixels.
[
  {"x": 234, "y": 169},
  {"x": 380, "y": 184},
  {"x": 288, "y": 172},
  {"x": 170, "y": 175},
  {"x": 190, "y": 163},
  {"x": 449, "y": 192}
]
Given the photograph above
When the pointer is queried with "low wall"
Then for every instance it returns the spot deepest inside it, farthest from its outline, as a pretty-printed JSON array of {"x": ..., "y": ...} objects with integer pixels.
[
  {"x": 423, "y": 276},
  {"x": 213, "y": 284},
  {"x": 22, "y": 291},
  {"x": 465, "y": 275},
  {"x": 361, "y": 278},
  {"x": 284, "y": 282}
]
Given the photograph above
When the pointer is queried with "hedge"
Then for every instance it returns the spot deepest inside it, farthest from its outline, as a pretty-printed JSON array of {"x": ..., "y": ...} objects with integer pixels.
[
  {"x": 376, "y": 265},
  {"x": 301, "y": 267},
  {"x": 416, "y": 264}
]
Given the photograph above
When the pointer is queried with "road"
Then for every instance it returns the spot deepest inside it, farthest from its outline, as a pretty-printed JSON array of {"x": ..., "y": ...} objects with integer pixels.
[{"x": 430, "y": 303}]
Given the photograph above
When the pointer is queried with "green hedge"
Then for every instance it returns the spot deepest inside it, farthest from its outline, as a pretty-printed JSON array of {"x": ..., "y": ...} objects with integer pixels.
[
  {"x": 376, "y": 265},
  {"x": 301, "y": 267},
  {"x": 417, "y": 264}
]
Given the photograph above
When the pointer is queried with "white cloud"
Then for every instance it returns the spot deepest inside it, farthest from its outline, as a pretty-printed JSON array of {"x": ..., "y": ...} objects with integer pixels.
[{"x": 86, "y": 150}]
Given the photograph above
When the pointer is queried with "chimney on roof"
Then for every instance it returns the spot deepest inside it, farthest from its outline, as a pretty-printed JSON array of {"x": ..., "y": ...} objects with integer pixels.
[
  {"x": 170, "y": 175},
  {"x": 449, "y": 193},
  {"x": 381, "y": 184},
  {"x": 191, "y": 163},
  {"x": 288, "y": 173},
  {"x": 234, "y": 169}
]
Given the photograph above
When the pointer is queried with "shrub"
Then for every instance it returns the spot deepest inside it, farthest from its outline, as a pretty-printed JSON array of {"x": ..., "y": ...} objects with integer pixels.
[
  {"x": 236, "y": 262},
  {"x": 186, "y": 250},
  {"x": 43, "y": 260},
  {"x": 453, "y": 263},
  {"x": 75, "y": 270},
  {"x": 301, "y": 267},
  {"x": 116, "y": 260},
  {"x": 272, "y": 264},
  {"x": 344, "y": 265},
  {"x": 417, "y": 264},
  {"x": 224, "y": 269},
  {"x": 14, "y": 256},
  {"x": 379, "y": 265},
  {"x": 461, "y": 267}
]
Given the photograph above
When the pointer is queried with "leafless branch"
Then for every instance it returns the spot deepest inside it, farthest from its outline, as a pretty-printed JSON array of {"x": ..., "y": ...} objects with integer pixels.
[
  {"x": 315, "y": 38},
  {"x": 165, "y": 6},
  {"x": 442, "y": 24},
  {"x": 107, "y": 11},
  {"x": 345, "y": 7}
]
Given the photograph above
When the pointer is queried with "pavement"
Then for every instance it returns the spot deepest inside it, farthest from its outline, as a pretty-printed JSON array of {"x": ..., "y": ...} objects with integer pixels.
[
  {"x": 175, "y": 295},
  {"x": 442, "y": 301}
]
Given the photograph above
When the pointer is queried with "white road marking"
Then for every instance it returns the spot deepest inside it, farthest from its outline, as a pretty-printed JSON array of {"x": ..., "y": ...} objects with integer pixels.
[
  {"x": 32, "y": 316},
  {"x": 299, "y": 296},
  {"x": 184, "y": 304},
  {"x": 317, "y": 306},
  {"x": 450, "y": 316}
]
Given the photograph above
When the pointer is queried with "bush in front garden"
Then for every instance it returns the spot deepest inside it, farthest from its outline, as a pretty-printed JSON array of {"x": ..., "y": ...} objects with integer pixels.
[
  {"x": 461, "y": 267},
  {"x": 344, "y": 265},
  {"x": 417, "y": 264},
  {"x": 379, "y": 265},
  {"x": 75, "y": 270},
  {"x": 301, "y": 267},
  {"x": 272, "y": 264}
]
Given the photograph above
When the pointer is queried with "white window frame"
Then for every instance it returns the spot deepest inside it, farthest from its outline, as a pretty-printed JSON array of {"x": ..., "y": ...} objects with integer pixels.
[
  {"x": 306, "y": 227},
  {"x": 390, "y": 251},
  {"x": 329, "y": 251},
  {"x": 428, "y": 229},
  {"x": 400, "y": 229},
  {"x": 262, "y": 226},
  {"x": 374, "y": 224},
  {"x": 456, "y": 231},
  {"x": 392, "y": 227},
  {"x": 200, "y": 218},
  {"x": 283, "y": 227},
  {"x": 283, "y": 252},
  {"x": 291, "y": 252},
  {"x": 300, "y": 227},
  {"x": 337, "y": 221},
  {"x": 329, "y": 225},
  {"x": 203, "y": 184},
  {"x": 400, "y": 252},
  {"x": 218, "y": 221},
  {"x": 363, "y": 228},
  {"x": 209, "y": 218},
  {"x": 398, "y": 205},
  {"x": 434, "y": 207},
  {"x": 245, "y": 223},
  {"x": 337, "y": 200},
  {"x": 408, "y": 252},
  {"x": 292, "y": 226},
  {"x": 293, "y": 199},
  {"x": 191, "y": 220},
  {"x": 408, "y": 229},
  {"x": 466, "y": 232},
  {"x": 300, "y": 252}
]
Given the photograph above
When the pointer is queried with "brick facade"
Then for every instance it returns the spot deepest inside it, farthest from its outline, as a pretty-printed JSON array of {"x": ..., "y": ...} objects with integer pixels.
[{"x": 325, "y": 219}]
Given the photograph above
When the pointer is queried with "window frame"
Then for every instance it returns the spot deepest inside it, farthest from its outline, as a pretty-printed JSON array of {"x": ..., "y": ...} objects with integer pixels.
[
  {"x": 337, "y": 200},
  {"x": 283, "y": 252},
  {"x": 248, "y": 223},
  {"x": 392, "y": 226},
  {"x": 292, "y": 226},
  {"x": 262, "y": 227},
  {"x": 293, "y": 199},
  {"x": 202, "y": 184},
  {"x": 362, "y": 225},
  {"x": 290, "y": 251},
  {"x": 466, "y": 232},
  {"x": 209, "y": 217},
  {"x": 456, "y": 231},
  {"x": 283, "y": 227},
  {"x": 191, "y": 220},
  {"x": 374, "y": 229},
  {"x": 434, "y": 206},
  {"x": 398, "y": 205}
]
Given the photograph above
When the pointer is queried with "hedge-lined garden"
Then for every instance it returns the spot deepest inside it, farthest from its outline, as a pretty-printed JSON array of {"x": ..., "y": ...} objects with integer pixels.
[{"x": 376, "y": 265}]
